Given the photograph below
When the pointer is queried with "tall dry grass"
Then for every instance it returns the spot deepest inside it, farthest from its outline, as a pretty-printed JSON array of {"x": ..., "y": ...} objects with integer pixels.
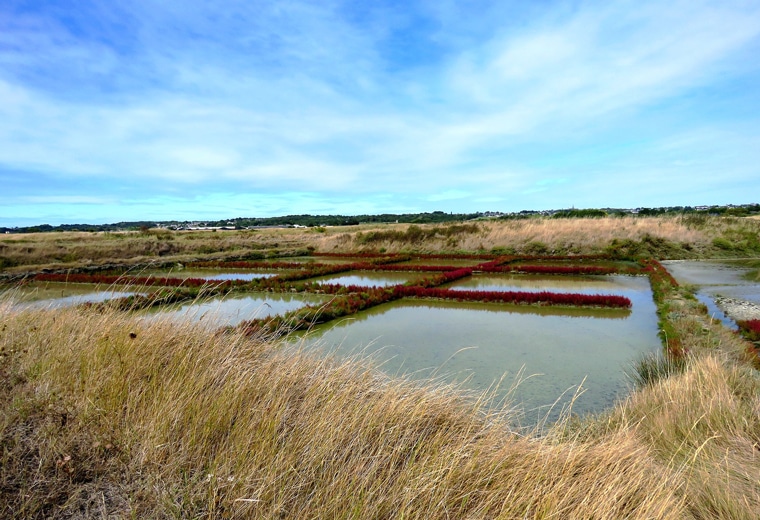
[
  {"x": 106, "y": 415},
  {"x": 662, "y": 237},
  {"x": 581, "y": 235},
  {"x": 19, "y": 252},
  {"x": 707, "y": 421},
  {"x": 665, "y": 237}
]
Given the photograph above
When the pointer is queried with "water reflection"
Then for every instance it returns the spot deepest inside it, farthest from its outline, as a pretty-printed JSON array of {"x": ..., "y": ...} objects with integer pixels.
[
  {"x": 729, "y": 278},
  {"x": 502, "y": 308},
  {"x": 232, "y": 309},
  {"x": 370, "y": 278},
  {"x": 216, "y": 274},
  {"x": 479, "y": 343},
  {"x": 227, "y": 310},
  {"x": 51, "y": 295},
  {"x": 591, "y": 284}
]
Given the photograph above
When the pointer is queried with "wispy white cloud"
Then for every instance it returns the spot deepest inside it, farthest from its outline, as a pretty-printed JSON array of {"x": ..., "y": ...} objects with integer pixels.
[{"x": 432, "y": 103}]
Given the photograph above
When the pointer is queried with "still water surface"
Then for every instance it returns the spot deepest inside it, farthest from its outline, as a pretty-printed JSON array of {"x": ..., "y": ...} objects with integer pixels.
[
  {"x": 597, "y": 284},
  {"x": 480, "y": 343},
  {"x": 729, "y": 278},
  {"x": 216, "y": 274},
  {"x": 52, "y": 295},
  {"x": 234, "y": 308},
  {"x": 371, "y": 278}
]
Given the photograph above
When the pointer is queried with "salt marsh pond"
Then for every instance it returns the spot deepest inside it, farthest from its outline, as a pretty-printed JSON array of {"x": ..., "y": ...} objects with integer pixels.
[
  {"x": 477, "y": 344},
  {"x": 234, "y": 308},
  {"x": 51, "y": 295},
  {"x": 556, "y": 350}
]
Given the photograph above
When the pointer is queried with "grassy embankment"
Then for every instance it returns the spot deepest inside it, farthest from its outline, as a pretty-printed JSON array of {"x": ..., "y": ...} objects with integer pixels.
[
  {"x": 105, "y": 415},
  {"x": 686, "y": 237}
]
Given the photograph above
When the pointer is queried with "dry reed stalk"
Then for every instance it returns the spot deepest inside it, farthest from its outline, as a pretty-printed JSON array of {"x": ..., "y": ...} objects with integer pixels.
[
  {"x": 687, "y": 236},
  {"x": 212, "y": 425},
  {"x": 582, "y": 235},
  {"x": 705, "y": 421}
]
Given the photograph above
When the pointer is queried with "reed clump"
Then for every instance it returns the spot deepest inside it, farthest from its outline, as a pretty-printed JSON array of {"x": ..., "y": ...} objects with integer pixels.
[
  {"x": 704, "y": 420},
  {"x": 104, "y": 414}
]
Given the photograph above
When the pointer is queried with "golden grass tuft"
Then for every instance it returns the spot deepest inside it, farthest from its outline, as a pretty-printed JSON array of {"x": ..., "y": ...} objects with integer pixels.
[
  {"x": 708, "y": 421},
  {"x": 671, "y": 237},
  {"x": 107, "y": 415},
  {"x": 114, "y": 416}
]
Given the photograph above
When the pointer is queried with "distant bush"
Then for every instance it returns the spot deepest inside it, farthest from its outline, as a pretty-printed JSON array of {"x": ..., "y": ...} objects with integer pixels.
[
  {"x": 695, "y": 220},
  {"x": 580, "y": 213},
  {"x": 536, "y": 248},
  {"x": 722, "y": 243},
  {"x": 647, "y": 246},
  {"x": 6, "y": 262},
  {"x": 415, "y": 234}
]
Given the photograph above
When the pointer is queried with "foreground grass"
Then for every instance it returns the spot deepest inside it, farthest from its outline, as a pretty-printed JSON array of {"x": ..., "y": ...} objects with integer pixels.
[{"x": 107, "y": 416}]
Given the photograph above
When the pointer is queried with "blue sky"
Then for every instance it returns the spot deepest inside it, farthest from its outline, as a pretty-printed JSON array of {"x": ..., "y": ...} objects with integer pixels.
[{"x": 160, "y": 110}]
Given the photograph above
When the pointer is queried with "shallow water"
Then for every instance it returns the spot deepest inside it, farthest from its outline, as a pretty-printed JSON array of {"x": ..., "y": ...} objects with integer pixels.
[
  {"x": 216, "y": 274},
  {"x": 710, "y": 272},
  {"x": 234, "y": 308},
  {"x": 596, "y": 284},
  {"x": 371, "y": 278},
  {"x": 480, "y": 343},
  {"x": 717, "y": 278},
  {"x": 43, "y": 295},
  {"x": 473, "y": 343}
]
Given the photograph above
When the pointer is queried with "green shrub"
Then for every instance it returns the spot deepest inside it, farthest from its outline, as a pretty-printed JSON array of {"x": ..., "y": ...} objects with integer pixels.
[
  {"x": 722, "y": 243},
  {"x": 6, "y": 262},
  {"x": 623, "y": 249},
  {"x": 536, "y": 248}
]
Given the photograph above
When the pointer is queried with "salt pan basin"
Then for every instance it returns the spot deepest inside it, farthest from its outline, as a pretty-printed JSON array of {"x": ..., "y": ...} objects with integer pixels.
[
  {"x": 476, "y": 344},
  {"x": 235, "y": 308}
]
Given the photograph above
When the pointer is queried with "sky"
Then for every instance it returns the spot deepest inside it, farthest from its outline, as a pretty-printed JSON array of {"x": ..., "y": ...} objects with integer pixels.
[{"x": 194, "y": 110}]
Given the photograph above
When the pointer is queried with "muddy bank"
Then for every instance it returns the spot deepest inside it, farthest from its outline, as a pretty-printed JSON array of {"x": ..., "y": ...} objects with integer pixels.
[{"x": 738, "y": 309}]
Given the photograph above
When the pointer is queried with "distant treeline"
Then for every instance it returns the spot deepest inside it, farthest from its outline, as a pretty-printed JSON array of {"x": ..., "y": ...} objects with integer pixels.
[
  {"x": 743, "y": 210},
  {"x": 405, "y": 218},
  {"x": 247, "y": 222},
  {"x": 342, "y": 220},
  {"x": 118, "y": 226}
]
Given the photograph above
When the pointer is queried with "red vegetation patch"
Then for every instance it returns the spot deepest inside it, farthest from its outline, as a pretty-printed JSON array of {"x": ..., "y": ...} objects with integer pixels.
[
  {"x": 658, "y": 275},
  {"x": 548, "y": 269},
  {"x": 750, "y": 329},
  {"x": 519, "y": 297}
]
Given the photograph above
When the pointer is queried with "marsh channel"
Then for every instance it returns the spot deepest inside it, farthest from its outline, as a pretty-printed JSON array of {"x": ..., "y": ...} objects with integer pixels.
[{"x": 716, "y": 281}]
